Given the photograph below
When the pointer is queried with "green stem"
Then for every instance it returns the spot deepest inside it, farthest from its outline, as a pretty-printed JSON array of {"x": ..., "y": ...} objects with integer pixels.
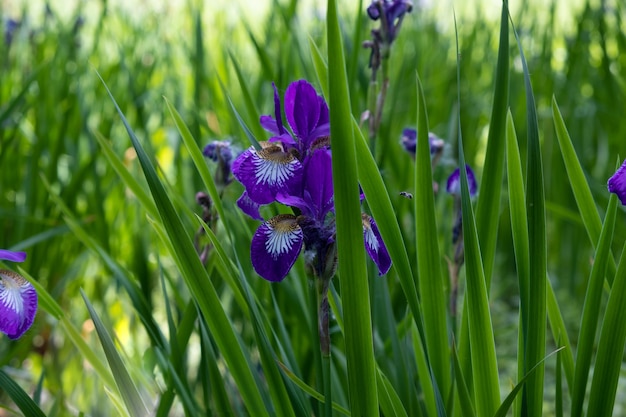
[{"x": 328, "y": 401}]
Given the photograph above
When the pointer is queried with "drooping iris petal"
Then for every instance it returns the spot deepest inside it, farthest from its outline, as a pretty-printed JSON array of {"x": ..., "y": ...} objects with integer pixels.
[
  {"x": 318, "y": 181},
  {"x": 248, "y": 206},
  {"x": 8, "y": 255},
  {"x": 18, "y": 304},
  {"x": 617, "y": 183},
  {"x": 266, "y": 172},
  {"x": 454, "y": 182},
  {"x": 302, "y": 109},
  {"x": 374, "y": 245},
  {"x": 276, "y": 246}
]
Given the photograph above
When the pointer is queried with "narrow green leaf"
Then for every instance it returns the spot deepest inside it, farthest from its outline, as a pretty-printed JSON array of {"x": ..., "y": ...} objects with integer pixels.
[
  {"x": 610, "y": 347},
  {"x": 198, "y": 281},
  {"x": 431, "y": 286},
  {"x": 49, "y": 305},
  {"x": 488, "y": 205},
  {"x": 144, "y": 198},
  {"x": 580, "y": 186},
  {"x": 591, "y": 309},
  {"x": 352, "y": 267},
  {"x": 309, "y": 390},
  {"x": 390, "y": 403},
  {"x": 465, "y": 401},
  {"x": 508, "y": 401},
  {"x": 535, "y": 207},
  {"x": 559, "y": 332},
  {"x": 482, "y": 345},
  {"x": 133, "y": 401},
  {"x": 253, "y": 112},
  {"x": 19, "y": 396}
]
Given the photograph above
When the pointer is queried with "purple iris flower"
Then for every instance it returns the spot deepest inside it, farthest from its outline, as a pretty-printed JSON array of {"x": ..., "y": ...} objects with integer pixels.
[
  {"x": 393, "y": 12},
  {"x": 454, "y": 182},
  {"x": 617, "y": 183},
  {"x": 295, "y": 168},
  {"x": 409, "y": 141},
  {"x": 220, "y": 152},
  {"x": 18, "y": 298}
]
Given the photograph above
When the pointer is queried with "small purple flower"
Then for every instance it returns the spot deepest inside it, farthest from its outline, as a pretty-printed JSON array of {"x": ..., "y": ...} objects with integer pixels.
[
  {"x": 10, "y": 27},
  {"x": 373, "y": 241},
  {"x": 409, "y": 142},
  {"x": 454, "y": 182},
  {"x": 391, "y": 13},
  {"x": 222, "y": 153},
  {"x": 18, "y": 299},
  {"x": 294, "y": 168},
  {"x": 617, "y": 183}
]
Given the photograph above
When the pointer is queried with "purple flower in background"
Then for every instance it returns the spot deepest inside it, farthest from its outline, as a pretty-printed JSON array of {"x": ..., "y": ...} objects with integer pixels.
[
  {"x": 392, "y": 12},
  {"x": 10, "y": 27},
  {"x": 222, "y": 153},
  {"x": 409, "y": 142},
  {"x": 18, "y": 299},
  {"x": 617, "y": 183},
  {"x": 295, "y": 168},
  {"x": 454, "y": 182}
]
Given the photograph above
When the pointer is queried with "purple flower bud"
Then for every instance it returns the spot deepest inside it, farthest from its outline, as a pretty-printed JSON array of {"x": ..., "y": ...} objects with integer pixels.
[
  {"x": 617, "y": 183},
  {"x": 409, "y": 141},
  {"x": 454, "y": 182}
]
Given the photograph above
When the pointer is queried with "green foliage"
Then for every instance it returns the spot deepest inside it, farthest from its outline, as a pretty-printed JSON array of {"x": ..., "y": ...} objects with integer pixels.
[{"x": 98, "y": 185}]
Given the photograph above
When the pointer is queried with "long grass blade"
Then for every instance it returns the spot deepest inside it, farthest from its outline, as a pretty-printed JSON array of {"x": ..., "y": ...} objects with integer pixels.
[
  {"x": 198, "y": 281},
  {"x": 591, "y": 309},
  {"x": 352, "y": 267},
  {"x": 133, "y": 401}
]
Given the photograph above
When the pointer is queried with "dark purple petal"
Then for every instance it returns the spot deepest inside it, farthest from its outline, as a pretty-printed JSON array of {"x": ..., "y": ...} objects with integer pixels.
[
  {"x": 318, "y": 180},
  {"x": 276, "y": 246},
  {"x": 266, "y": 172},
  {"x": 374, "y": 245},
  {"x": 617, "y": 183},
  {"x": 454, "y": 182},
  {"x": 372, "y": 10},
  {"x": 269, "y": 123},
  {"x": 409, "y": 140},
  {"x": 279, "y": 117},
  {"x": 302, "y": 108},
  {"x": 8, "y": 255},
  {"x": 18, "y": 304},
  {"x": 249, "y": 207}
]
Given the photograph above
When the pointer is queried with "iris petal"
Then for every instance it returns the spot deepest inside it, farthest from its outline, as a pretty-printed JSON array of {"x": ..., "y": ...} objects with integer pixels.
[
  {"x": 8, "y": 255},
  {"x": 266, "y": 172},
  {"x": 302, "y": 109},
  {"x": 454, "y": 182},
  {"x": 617, "y": 183},
  {"x": 249, "y": 207},
  {"x": 374, "y": 245},
  {"x": 275, "y": 247},
  {"x": 18, "y": 304}
]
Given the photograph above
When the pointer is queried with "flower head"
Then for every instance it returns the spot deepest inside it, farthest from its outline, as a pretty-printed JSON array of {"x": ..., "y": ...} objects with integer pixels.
[
  {"x": 222, "y": 153},
  {"x": 454, "y": 182},
  {"x": 294, "y": 168},
  {"x": 391, "y": 12},
  {"x": 18, "y": 299},
  {"x": 409, "y": 142},
  {"x": 617, "y": 183}
]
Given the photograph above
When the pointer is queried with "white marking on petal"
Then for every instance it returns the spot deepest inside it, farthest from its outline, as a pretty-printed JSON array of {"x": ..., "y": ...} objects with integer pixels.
[
  {"x": 12, "y": 288},
  {"x": 282, "y": 233},
  {"x": 273, "y": 166},
  {"x": 370, "y": 238}
]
